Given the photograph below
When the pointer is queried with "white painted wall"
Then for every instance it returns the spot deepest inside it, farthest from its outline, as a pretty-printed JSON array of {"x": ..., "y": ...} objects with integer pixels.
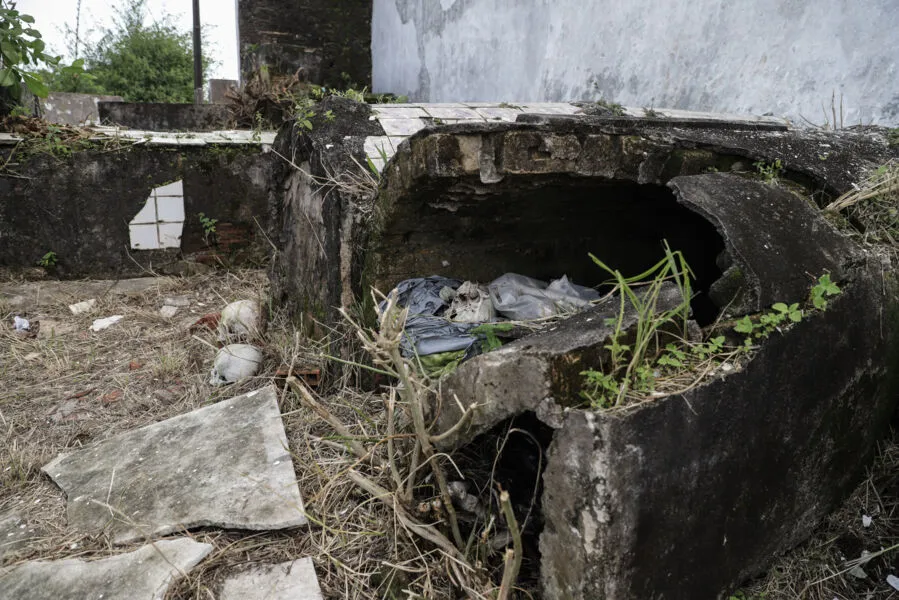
[{"x": 751, "y": 56}]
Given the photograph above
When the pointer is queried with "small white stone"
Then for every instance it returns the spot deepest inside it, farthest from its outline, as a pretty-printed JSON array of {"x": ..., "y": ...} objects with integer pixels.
[
  {"x": 867, "y": 521},
  {"x": 83, "y": 307},
  {"x": 101, "y": 324},
  {"x": 168, "y": 311}
]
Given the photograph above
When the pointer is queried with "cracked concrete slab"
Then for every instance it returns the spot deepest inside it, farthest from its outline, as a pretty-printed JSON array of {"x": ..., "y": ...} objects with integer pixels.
[
  {"x": 225, "y": 465},
  {"x": 293, "y": 580},
  {"x": 15, "y": 533},
  {"x": 144, "y": 574}
]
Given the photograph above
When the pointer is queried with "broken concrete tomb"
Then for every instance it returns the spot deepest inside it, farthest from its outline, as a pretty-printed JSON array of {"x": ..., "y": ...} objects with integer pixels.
[
  {"x": 684, "y": 496},
  {"x": 225, "y": 465}
]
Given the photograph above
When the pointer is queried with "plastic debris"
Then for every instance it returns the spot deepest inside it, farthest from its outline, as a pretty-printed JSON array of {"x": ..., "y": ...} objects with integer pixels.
[
  {"x": 241, "y": 319},
  {"x": 893, "y": 581},
  {"x": 179, "y": 301},
  {"x": 20, "y": 324},
  {"x": 522, "y": 298},
  {"x": 168, "y": 311},
  {"x": 866, "y": 521},
  {"x": 83, "y": 307},
  {"x": 427, "y": 331},
  {"x": 101, "y": 324},
  {"x": 234, "y": 363}
]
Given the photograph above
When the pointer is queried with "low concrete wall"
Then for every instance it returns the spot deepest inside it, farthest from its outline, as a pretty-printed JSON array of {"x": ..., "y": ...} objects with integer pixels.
[
  {"x": 785, "y": 57},
  {"x": 73, "y": 109},
  {"x": 84, "y": 208},
  {"x": 157, "y": 116}
]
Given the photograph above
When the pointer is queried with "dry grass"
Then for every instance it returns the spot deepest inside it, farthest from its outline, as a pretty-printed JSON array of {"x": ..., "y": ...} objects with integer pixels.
[
  {"x": 820, "y": 568},
  {"x": 872, "y": 208},
  {"x": 146, "y": 369}
]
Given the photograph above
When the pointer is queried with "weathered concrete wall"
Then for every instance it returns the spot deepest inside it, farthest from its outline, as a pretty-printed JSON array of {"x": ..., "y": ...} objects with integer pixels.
[
  {"x": 73, "y": 109},
  {"x": 80, "y": 207},
  {"x": 322, "y": 38},
  {"x": 785, "y": 57},
  {"x": 159, "y": 116}
]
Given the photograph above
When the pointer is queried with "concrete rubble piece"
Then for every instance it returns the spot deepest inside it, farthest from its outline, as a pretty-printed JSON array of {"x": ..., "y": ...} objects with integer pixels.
[
  {"x": 295, "y": 580},
  {"x": 145, "y": 574},
  {"x": 225, "y": 465}
]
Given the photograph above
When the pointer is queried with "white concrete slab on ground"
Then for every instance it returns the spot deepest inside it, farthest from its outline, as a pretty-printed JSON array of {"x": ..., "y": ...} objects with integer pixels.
[
  {"x": 145, "y": 574},
  {"x": 225, "y": 465},
  {"x": 294, "y": 580}
]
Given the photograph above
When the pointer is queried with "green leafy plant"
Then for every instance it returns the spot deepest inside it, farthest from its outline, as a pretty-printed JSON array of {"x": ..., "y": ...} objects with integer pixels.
[
  {"x": 613, "y": 108},
  {"x": 629, "y": 366},
  {"x": 372, "y": 167},
  {"x": 21, "y": 51},
  {"x": 209, "y": 229},
  {"x": 329, "y": 116},
  {"x": 488, "y": 330},
  {"x": 48, "y": 260},
  {"x": 770, "y": 172},
  {"x": 651, "y": 113},
  {"x": 822, "y": 290}
]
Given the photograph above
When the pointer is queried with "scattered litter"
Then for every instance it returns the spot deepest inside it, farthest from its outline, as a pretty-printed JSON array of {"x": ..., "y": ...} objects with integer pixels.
[
  {"x": 113, "y": 396},
  {"x": 83, "y": 307},
  {"x": 311, "y": 377},
  {"x": 134, "y": 365},
  {"x": 101, "y": 324},
  {"x": 427, "y": 331},
  {"x": 522, "y": 298},
  {"x": 21, "y": 324},
  {"x": 858, "y": 572},
  {"x": 209, "y": 321},
  {"x": 893, "y": 581},
  {"x": 727, "y": 367},
  {"x": 168, "y": 311},
  {"x": 472, "y": 304},
  {"x": 241, "y": 318},
  {"x": 866, "y": 521},
  {"x": 234, "y": 363},
  {"x": 179, "y": 301}
]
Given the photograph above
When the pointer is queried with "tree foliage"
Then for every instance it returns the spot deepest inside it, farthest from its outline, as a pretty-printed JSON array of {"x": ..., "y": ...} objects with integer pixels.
[
  {"x": 140, "y": 61},
  {"x": 21, "y": 51}
]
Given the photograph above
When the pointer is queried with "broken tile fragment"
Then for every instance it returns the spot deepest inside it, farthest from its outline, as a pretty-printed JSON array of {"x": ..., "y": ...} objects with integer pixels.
[
  {"x": 294, "y": 580},
  {"x": 225, "y": 465},
  {"x": 144, "y": 574}
]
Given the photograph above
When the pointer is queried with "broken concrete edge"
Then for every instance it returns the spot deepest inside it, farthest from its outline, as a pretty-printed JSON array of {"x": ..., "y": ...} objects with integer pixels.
[
  {"x": 292, "y": 580},
  {"x": 799, "y": 438},
  {"x": 146, "y": 572},
  {"x": 764, "y": 246},
  {"x": 107, "y": 500},
  {"x": 777, "y": 246}
]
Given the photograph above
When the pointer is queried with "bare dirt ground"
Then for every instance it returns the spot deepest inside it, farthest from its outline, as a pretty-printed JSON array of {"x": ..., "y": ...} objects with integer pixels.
[{"x": 68, "y": 387}]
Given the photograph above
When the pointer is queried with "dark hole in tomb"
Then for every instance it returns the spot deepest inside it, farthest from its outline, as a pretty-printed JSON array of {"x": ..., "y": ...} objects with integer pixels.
[
  {"x": 511, "y": 456},
  {"x": 544, "y": 227}
]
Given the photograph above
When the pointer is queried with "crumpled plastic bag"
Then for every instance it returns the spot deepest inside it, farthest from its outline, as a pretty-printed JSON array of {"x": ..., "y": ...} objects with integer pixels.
[
  {"x": 427, "y": 331},
  {"x": 522, "y": 298}
]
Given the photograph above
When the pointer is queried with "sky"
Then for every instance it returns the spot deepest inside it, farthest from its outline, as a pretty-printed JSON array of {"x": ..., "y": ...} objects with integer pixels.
[{"x": 218, "y": 18}]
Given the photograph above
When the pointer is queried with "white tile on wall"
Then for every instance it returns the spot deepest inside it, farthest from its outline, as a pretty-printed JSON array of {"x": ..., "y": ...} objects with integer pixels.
[
  {"x": 170, "y": 235},
  {"x": 170, "y": 209},
  {"x": 144, "y": 237},
  {"x": 147, "y": 214},
  {"x": 173, "y": 189}
]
